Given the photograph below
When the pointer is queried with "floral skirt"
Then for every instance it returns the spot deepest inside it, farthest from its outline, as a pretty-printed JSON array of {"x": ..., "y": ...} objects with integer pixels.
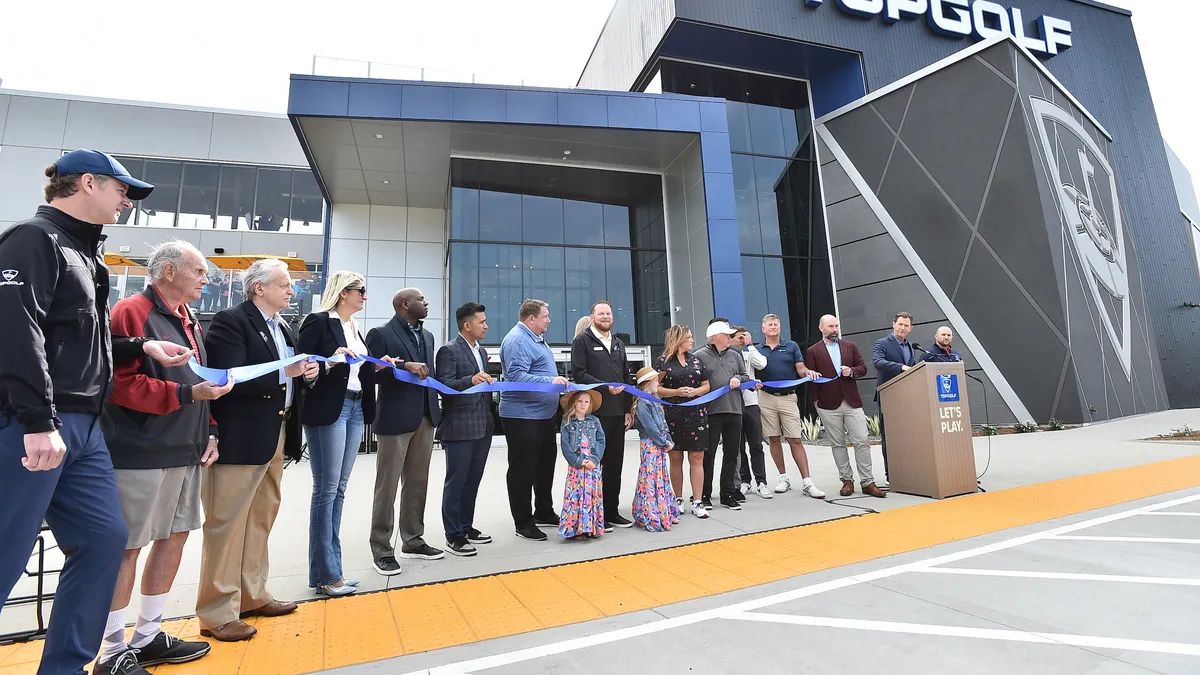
[
  {"x": 654, "y": 506},
  {"x": 583, "y": 504}
]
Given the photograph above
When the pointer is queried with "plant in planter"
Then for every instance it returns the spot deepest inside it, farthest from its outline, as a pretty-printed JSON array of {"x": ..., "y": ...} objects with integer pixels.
[
  {"x": 1055, "y": 424},
  {"x": 810, "y": 428},
  {"x": 988, "y": 430},
  {"x": 1026, "y": 427},
  {"x": 873, "y": 425}
]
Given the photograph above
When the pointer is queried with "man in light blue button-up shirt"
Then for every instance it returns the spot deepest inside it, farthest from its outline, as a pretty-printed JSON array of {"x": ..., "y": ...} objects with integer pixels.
[{"x": 528, "y": 420}]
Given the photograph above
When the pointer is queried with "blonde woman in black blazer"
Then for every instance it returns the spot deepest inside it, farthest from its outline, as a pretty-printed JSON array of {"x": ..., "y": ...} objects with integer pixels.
[{"x": 335, "y": 411}]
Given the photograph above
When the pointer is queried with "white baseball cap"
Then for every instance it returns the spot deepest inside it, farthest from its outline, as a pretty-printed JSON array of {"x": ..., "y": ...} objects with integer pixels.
[{"x": 718, "y": 328}]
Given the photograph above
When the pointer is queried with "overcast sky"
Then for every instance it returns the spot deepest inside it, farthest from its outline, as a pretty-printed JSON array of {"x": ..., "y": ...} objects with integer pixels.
[{"x": 238, "y": 54}]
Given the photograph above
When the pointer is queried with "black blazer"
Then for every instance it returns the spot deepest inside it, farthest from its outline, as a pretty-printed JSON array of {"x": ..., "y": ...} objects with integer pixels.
[
  {"x": 248, "y": 415},
  {"x": 321, "y": 334},
  {"x": 592, "y": 363},
  {"x": 469, "y": 417},
  {"x": 401, "y": 405}
]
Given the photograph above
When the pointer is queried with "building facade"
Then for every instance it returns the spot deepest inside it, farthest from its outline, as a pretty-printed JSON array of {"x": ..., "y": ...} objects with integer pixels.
[{"x": 995, "y": 167}]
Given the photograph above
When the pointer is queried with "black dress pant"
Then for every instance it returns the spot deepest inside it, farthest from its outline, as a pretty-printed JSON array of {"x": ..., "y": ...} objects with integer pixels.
[
  {"x": 531, "y": 455},
  {"x": 465, "y": 462},
  {"x": 883, "y": 443},
  {"x": 752, "y": 436},
  {"x": 611, "y": 463},
  {"x": 725, "y": 428}
]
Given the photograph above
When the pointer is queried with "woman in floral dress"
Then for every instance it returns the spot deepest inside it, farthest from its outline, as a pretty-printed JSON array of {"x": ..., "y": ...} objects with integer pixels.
[
  {"x": 684, "y": 377},
  {"x": 583, "y": 448},
  {"x": 654, "y": 505}
]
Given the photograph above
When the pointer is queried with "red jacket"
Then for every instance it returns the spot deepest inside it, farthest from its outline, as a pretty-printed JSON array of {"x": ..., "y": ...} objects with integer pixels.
[{"x": 830, "y": 395}]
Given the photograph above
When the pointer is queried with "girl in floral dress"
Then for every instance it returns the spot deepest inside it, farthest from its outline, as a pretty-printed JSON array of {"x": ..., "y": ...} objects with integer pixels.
[
  {"x": 654, "y": 505},
  {"x": 583, "y": 448}
]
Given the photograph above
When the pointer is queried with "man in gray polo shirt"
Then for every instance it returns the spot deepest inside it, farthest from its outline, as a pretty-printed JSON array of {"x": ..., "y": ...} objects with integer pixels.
[{"x": 725, "y": 367}]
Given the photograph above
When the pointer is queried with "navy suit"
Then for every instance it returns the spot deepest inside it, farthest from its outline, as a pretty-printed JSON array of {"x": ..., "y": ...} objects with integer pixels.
[
  {"x": 465, "y": 433},
  {"x": 889, "y": 358}
]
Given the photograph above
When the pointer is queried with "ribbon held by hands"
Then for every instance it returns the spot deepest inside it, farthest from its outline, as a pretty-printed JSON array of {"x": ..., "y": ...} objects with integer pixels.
[{"x": 219, "y": 377}]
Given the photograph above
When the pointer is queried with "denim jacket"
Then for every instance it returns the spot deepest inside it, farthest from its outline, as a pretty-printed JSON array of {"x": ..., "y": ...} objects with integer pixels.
[
  {"x": 652, "y": 423},
  {"x": 573, "y": 432}
]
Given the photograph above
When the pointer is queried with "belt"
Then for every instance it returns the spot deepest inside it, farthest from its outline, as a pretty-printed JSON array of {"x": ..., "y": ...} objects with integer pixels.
[
  {"x": 353, "y": 395},
  {"x": 778, "y": 392}
]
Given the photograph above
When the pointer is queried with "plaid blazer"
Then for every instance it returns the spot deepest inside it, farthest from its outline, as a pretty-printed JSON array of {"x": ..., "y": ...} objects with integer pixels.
[{"x": 465, "y": 417}]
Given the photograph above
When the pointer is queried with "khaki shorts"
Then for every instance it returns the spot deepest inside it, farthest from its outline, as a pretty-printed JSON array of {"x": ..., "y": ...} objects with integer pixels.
[
  {"x": 157, "y": 503},
  {"x": 779, "y": 413}
]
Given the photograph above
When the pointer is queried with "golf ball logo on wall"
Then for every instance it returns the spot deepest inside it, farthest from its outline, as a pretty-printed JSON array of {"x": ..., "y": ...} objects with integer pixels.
[
  {"x": 957, "y": 19},
  {"x": 1090, "y": 210}
]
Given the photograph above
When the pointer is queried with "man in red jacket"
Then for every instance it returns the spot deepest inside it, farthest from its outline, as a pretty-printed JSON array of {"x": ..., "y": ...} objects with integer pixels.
[{"x": 839, "y": 405}]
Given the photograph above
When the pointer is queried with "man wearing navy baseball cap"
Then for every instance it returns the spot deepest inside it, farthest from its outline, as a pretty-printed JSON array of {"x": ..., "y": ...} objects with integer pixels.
[{"x": 55, "y": 373}]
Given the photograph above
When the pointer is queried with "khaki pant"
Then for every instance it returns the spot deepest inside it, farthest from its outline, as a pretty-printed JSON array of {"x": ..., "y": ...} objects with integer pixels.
[
  {"x": 402, "y": 460},
  {"x": 847, "y": 425},
  {"x": 240, "y": 505}
]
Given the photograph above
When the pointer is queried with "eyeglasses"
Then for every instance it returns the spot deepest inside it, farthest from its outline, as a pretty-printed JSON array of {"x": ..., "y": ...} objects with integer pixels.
[{"x": 360, "y": 289}]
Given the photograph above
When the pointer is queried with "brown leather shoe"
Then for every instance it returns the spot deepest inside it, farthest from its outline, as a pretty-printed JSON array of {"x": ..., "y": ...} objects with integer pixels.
[
  {"x": 234, "y": 631},
  {"x": 847, "y": 488},
  {"x": 874, "y": 491},
  {"x": 272, "y": 608}
]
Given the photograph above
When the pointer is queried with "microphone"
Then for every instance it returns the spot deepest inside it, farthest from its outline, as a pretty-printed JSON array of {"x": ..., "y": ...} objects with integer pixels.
[{"x": 918, "y": 347}]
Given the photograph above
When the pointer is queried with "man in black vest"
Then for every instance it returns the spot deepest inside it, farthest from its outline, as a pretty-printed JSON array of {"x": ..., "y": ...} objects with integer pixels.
[
  {"x": 599, "y": 356},
  {"x": 405, "y": 419}
]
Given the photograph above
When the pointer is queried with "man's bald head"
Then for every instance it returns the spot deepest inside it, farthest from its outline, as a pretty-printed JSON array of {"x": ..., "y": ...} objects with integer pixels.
[
  {"x": 830, "y": 329},
  {"x": 410, "y": 305},
  {"x": 944, "y": 337}
]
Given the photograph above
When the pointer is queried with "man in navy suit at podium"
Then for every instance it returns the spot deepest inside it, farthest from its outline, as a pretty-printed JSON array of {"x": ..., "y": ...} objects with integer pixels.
[{"x": 892, "y": 355}]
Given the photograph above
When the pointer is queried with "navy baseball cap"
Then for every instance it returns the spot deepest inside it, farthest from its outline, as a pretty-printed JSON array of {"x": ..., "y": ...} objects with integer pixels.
[{"x": 100, "y": 164}]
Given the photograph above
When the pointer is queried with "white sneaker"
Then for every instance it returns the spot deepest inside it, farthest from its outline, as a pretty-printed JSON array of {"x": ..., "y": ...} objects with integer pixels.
[
  {"x": 764, "y": 491},
  {"x": 745, "y": 488},
  {"x": 698, "y": 510},
  {"x": 812, "y": 490},
  {"x": 785, "y": 484}
]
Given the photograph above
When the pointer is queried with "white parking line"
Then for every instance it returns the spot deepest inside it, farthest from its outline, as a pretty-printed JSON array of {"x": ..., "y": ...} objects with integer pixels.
[
  {"x": 1095, "y": 641},
  {"x": 1135, "y": 540},
  {"x": 1172, "y": 513},
  {"x": 541, "y": 651},
  {"x": 1066, "y": 576}
]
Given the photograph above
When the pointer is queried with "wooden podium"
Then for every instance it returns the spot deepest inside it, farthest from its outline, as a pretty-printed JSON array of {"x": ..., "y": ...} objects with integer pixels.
[{"x": 928, "y": 427}]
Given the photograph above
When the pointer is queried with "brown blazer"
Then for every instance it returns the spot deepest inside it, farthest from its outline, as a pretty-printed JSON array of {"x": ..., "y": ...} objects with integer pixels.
[{"x": 831, "y": 394}]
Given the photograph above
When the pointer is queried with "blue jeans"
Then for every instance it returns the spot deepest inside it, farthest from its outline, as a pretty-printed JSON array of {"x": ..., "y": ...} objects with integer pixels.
[
  {"x": 79, "y": 502},
  {"x": 331, "y": 453}
]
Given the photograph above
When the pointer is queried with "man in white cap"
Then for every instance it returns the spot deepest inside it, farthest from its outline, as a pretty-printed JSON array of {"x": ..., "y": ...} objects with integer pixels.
[{"x": 725, "y": 367}]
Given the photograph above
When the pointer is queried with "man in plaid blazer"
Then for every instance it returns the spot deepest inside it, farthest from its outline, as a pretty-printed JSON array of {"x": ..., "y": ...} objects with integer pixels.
[{"x": 466, "y": 427}]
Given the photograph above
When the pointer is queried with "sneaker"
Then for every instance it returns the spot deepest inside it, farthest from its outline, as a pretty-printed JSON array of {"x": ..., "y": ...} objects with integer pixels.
[
  {"x": 698, "y": 510},
  {"x": 546, "y": 520},
  {"x": 125, "y": 663},
  {"x": 476, "y": 537},
  {"x": 166, "y": 648},
  {"x": 706, "y": 503},
  {"x": 764, "y": 491},
  {"x": 531, "y": 533},
  {"x": 423, "y": 552},
  {"x": 745, "y": 488},
  {"x": 785, "y": 484},
  {"x": 607, "y": 527},
  {"x": 813, "y": 491},
  {"x": 731, "y": 503},
  {"x": 619, "y": 521},
  {"x": 387, "y": 566},
  {"x": 679, "y": 502},
  {"x": 460, "y": 546},
  {"x": 740, "y": 496}
]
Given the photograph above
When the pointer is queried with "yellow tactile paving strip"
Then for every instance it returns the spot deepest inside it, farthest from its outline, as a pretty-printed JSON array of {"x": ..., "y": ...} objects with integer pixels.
[{"x": 345, "y": 631}]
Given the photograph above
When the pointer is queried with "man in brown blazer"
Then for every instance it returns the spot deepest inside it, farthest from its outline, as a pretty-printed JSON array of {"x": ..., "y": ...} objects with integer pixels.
[{"x": 839, "y": 405}]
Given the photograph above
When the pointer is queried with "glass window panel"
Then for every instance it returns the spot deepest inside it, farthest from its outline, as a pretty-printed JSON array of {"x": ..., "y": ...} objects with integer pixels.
[
  {"x": 464, "y": 213},
  {"x": 616, "y": 225},
  {"x": 766, "y": 130},
  {"x": 134, "y": 166},
  {"x": 739, "y": 126},
  {"x": 778, "y": 294},
  {"x": 198, "y": 208},
  {"x": 620, "y": 290},
  {"x": 585, "y": 283},
  {"x": 158, "y": 210},
  {"x": 816, "y": 210},
  {"x": 746, "y": 196},
  {"x": 464, "y": 275},
  {"x": 541, "y": 220},
  {"x": 543, "y": 277},
  {"x": 308, "y": 205},
  {"x": 273, "y": 201},
  {"x": 791, "y": 131},
  {"x": 820, "y": 294},
  {"x": 652, "y": 297},
  {"x": 770, "y": 186},
  {"x": 584, "y": 222},
  {"x": 236, "y": 204},
  {"x": 499, "y": 216},
  {"x": 500, "y": 286},
  {"x": 754, "y": 288}
]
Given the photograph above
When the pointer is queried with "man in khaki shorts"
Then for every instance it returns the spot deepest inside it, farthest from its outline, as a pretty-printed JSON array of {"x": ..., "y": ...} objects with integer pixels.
[
  {"x": 160, "y": 434},
  {"x": 779, "y": 408}
]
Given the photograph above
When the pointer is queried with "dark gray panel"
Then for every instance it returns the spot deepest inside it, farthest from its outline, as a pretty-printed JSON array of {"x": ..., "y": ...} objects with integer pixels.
[
  {"x": 1069, "y": 409},
  {"x": 954, "y": 126},
  {"x": 996, "y": 413},
  {"x": 865, "y": 139},
  {"x": 1014, "y": 221},
  {"x": 851, "y": 220},
  {"x": 823, "y": 152},
  {"x": 872, "y": 307},
  {"x": 836, "y": 183},
  {"x": 992, "y": 306},
  {"x": 868, "y": 261},
  {"x": 892, "y": 106},
  {"x": 1001, "y": 58},
  {"x": 928, "y": 222}
]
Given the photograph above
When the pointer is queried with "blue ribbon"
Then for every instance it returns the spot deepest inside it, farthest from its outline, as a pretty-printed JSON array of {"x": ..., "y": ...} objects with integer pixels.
[{"x": 220, "y": 377}]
